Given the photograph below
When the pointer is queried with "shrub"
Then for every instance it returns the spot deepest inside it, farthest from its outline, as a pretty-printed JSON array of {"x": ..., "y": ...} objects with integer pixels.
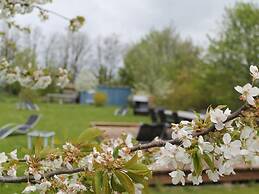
[
  {"x": 100, "y": 99},
  {"x": 28, "y": 95}
]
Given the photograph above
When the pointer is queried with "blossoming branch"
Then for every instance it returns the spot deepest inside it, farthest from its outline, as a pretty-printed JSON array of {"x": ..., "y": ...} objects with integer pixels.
[{"x": 215, "y": 146}]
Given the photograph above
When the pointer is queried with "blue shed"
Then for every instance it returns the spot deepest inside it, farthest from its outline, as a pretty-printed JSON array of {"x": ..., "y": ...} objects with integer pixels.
[{"x": 116, "y": 95}]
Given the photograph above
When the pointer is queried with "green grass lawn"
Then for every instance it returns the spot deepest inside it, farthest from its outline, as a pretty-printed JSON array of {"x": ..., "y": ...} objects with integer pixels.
[{"x": 68, "y": 121}]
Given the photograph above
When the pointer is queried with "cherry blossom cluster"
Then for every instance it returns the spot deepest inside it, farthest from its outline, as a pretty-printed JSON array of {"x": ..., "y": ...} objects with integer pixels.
[
  {"x": 214, "y": 146},
  {"x": 231, "y": 144},
  {"x": 10, "y": 8},
  {"x": 30, "y": 77},
  {"x": 73, "y": 166}
]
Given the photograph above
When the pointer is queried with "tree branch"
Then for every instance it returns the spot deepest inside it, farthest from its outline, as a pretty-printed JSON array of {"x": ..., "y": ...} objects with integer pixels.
[
  {"x": 51, "y": 12},
  {"x": 155, "y": 143},
  {"x": 24, "y": 179},
  {"x": 161, "y": 143}
]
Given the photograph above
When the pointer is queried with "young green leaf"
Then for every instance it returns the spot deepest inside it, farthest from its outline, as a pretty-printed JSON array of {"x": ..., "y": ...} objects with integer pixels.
[
  {"x": 98, "y": 181},
  {"x": 106, "y": 184},
  {"x": 132, "y": 161},
  {"x": 126, "y": 181},
  {"x": 116, "y": 185},
  {"x": 209, "y": 161},
  {"x": 196, "y": 157}
]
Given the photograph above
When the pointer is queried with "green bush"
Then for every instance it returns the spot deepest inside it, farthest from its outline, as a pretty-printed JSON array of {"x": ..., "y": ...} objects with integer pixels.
[
  {"x": 28, "y": 95},
  {"x": 100, "y": 98}
]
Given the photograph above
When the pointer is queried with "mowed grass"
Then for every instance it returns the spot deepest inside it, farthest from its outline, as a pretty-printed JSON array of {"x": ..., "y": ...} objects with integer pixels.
[{"x": 68, "y": 121}]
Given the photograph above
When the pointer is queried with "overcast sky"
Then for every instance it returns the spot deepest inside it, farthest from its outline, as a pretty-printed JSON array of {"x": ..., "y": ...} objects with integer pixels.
[{"x": 132, "y": 19}]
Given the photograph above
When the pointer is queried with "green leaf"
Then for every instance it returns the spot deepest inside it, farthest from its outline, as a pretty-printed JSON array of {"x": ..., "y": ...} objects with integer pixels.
[
  {"x": 116, "y": 185},
  {"x": 106, "y": 184},
  {"x": 209, "y": 162},
  {"x": 132, "y": 161},
  {"x": 98, "y": 180},
  {"x": 89, "y": 134},
  {"x": 126, "y": 181},
  {"x": 196, "y": 157},
  {"x": 137, "y": 178},
  {"x": 116, "y": 152},
  {"x": 139, "y": 169}
]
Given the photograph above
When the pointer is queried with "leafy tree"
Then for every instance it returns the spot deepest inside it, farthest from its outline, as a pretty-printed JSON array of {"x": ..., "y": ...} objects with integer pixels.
[
  {"x": 153, "y": 64},
  {"x": 232, "y": 51}
]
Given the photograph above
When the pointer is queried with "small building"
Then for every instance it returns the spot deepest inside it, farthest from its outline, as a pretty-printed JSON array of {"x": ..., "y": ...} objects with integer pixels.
[{"x": 116, "y": 96}]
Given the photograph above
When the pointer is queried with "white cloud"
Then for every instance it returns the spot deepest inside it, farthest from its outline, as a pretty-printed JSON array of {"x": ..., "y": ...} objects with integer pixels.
[{"x": 131, "y": 19}]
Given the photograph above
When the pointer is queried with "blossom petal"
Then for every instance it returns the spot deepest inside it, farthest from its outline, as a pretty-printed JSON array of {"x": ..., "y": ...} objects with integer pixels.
[
  {"x": 250, "y": 100},
  {"x": 239, "y": 89},
  {"x": 226, "y": 138}
]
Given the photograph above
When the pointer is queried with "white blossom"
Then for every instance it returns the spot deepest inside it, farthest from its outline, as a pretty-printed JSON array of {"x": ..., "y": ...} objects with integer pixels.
[
  {"x": 13, "y": 154},
  {"x": 29, "y": 189},
  {"x": 128, "y": 141},
  {"x": 218, "y": 117},
  {"x": 214, "y": 176},
  {"x": 196, "y": 180},
  {"x": 1, "y": 170},
  {"x": 76, "y": 187},
  {"x": 226, "y": 168},
  {"x": 204, "y": 146},
  {"x": 51, "y": 164},
  {"x": 248, "y": 93},
  {"x": 182, "y": 156},
  {"x": 177, "y": 177},
  {"x": 87, "y": 162},
  {"x": 184, "y": 134},
  {"x": 43, "y": 187},
  {"x": 37, "y": 176},
  {"x": 230, "y": 149},
  {"x": 246, "y": 133},
  {"x": 10, "y": 78},
  {"x": 12, "y": 171},
  {"x": 42, "y": 83},
  {"x": 3, "y": 158},
  {"x": 254, "y": 72}
]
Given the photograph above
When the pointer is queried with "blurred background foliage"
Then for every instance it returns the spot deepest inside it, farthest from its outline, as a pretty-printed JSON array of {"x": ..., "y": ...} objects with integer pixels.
[
  {"x": 197, "y": 77},
  {"x": 177, "y": 73}
]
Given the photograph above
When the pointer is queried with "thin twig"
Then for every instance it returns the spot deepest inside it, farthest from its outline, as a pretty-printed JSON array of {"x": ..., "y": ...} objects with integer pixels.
[{"x": 51, "y": 12}]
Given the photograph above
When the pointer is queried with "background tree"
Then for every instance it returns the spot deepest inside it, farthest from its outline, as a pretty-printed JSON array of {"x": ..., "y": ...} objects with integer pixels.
[
  {"x": 70, "y": 50},
  {"x": 108, "y": 57},
  {"x": 154, "y": 64},
  {"x": 231, "y": 52}
]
